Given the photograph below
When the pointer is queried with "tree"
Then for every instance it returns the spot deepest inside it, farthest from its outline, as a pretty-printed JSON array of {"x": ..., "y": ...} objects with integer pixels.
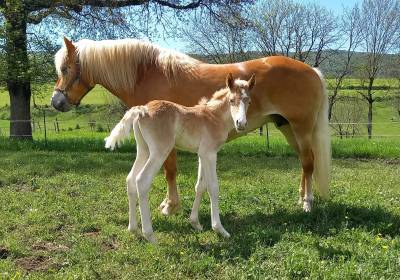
[
  {"x": 221, "y": 39},
  {"x": 340, "y": 61},
  {"x": 19, "y": 14},
  {"x": 283, "y": 27},
  {"x": 380, "y": 21}
]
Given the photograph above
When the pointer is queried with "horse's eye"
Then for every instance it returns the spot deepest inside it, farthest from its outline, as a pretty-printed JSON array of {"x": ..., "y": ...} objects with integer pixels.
[
  {"x": 64, "y": 70},
  {"x": 232, "y": 101}
]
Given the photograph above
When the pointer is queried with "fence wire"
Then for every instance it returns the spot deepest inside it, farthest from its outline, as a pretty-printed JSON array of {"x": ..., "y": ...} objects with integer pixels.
[{"x": 44, "y": 126}]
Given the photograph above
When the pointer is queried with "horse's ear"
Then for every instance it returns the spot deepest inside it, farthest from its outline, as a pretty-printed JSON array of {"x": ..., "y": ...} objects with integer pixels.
[
  {"x": 252, "y": 81},
  {"x": 70, "y": 46},
  {"x": 229, "y": 81}
]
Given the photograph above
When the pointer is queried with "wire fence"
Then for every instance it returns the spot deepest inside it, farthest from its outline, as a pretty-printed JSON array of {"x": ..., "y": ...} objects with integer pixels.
[{"x": 54, "y": 128}]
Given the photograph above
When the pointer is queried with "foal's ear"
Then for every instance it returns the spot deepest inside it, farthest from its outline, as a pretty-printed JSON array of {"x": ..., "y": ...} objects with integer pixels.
[
  {"x": 229, "y": 81},
  {"x": 70, "y": 46},
  {"x": 252, "y": 81}
]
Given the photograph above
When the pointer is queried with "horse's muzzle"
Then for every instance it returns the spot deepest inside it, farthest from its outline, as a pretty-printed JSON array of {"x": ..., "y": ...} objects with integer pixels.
[{"x": 60, "y": 102}]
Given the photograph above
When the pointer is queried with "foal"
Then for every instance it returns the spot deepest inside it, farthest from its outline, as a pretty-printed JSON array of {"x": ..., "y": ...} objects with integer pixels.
[{"x": 160, "y": 126}]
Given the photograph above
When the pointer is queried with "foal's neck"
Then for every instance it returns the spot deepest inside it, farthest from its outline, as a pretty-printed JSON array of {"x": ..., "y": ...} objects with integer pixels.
[{"x": 222, "y": 111}]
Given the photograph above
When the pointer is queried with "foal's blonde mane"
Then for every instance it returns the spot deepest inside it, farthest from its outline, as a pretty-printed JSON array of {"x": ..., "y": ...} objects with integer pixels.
[
  {"x": 216, "y": 99},
  {"x": 219, "y": 96},
  {"x": 119, "y": 61}
]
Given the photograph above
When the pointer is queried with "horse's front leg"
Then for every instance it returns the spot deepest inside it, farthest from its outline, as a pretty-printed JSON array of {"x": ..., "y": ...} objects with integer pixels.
[{"x": 171, "y": 203}]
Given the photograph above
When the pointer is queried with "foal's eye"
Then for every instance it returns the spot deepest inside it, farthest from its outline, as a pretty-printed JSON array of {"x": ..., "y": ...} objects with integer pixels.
[{"x": 232, "y": 101}]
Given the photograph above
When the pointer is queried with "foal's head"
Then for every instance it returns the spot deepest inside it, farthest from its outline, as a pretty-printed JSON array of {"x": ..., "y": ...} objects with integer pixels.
[{"x": 239, "y": 99}]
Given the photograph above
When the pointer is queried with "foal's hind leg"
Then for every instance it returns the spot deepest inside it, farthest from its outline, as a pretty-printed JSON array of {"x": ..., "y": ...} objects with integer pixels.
[
  {"x": 142, "y": 154},
  {"x": 170, "y": 204}
]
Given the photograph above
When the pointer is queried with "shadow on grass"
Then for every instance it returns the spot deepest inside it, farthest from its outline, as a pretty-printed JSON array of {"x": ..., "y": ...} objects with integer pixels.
[{"x": 259, "y": 229}]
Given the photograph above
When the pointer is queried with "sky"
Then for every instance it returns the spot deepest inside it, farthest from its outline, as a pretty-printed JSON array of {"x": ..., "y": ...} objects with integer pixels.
[{"x": 336, "y": 6}]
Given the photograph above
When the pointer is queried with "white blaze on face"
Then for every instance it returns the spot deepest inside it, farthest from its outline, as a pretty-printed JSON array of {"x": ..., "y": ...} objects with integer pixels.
[{"x": 239, "y": 113}]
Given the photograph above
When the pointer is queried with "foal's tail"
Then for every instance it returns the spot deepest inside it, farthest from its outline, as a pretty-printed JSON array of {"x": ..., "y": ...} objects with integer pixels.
[
  {"x": 123, "y": 128},
  {"x": 322, "y": 145}
]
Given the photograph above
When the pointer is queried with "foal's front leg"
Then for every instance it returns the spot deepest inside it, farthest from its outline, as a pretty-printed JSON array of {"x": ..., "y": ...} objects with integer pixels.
[
  {"x": 200, "y": 189},
  {"x": 209, "y": 164}
]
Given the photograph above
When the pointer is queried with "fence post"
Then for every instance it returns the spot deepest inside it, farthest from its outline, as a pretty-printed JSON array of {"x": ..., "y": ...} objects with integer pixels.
[
  {"x": 266, "y": 125},
  {"x": 57, "y": 126},
  {"x": 45, "y": 129}
]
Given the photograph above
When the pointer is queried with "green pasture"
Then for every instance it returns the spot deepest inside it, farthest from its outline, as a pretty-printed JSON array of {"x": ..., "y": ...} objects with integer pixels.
[
  {"x": 64, "y": 214},
  {"x": 98, "y": 111}
]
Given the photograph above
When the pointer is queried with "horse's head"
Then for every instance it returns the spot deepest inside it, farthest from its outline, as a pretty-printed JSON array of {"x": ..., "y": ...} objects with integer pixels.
[
  {"x": 239, "y": 99},
  {"x": 70, "y": 87}
]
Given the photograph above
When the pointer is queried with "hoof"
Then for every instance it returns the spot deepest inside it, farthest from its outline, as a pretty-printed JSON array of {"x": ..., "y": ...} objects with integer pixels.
[
  {"x": 134, "y": 229},
  {"x": 222, "y": 232},
  {"x": 168, "y": 208},
  {"x": 307, "y": 206},
  {"x": 150, "y": 237},
  {"x": 196, "y": 225}
]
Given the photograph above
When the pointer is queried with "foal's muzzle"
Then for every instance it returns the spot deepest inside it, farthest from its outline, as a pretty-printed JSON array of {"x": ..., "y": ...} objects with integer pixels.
[
  {"x": 240, "y": 125},
  {"x": 60, "y": 102}
]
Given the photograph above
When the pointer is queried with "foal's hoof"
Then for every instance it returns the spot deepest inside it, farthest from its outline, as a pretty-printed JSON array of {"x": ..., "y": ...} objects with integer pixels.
[
  {"x": 222, "y": 232},
  {"x": 168, "y": 208},
  {"x": 150, "y": 237},
  {"x": 133, "y": 230},
  {"x": 196, "y": 225}
]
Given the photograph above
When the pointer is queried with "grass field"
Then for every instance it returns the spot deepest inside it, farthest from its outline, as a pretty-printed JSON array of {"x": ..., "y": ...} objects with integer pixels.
[
  {"x": 64, "y": 211},
  {"x": 64, "y": 216}
]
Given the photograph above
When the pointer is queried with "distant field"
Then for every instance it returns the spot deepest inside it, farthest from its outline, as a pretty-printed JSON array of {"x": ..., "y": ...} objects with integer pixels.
[{"x": 95, "y": 107}]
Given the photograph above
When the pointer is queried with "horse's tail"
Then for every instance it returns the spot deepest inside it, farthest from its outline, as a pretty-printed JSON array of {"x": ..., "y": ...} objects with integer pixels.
[
  {"x": 322, "y": 145},
  {"x": 124, "y": 127}
]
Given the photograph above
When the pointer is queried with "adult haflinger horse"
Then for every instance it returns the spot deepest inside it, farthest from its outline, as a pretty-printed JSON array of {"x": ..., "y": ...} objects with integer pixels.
[
  {"x": 160, "y": 126},
  {"x": 288, "y": 92}
]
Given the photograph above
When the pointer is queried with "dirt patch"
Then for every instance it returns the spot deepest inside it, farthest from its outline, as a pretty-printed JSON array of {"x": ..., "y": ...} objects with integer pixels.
[
  {"x": 93, "y": 232},
  {"x": 109, "y": 245},
  {"x": 4, "y": 253},
  {"x": 36, "y": 263},
  {"x": 49, "y": 247},
  {"x": 392, "y": 161}
]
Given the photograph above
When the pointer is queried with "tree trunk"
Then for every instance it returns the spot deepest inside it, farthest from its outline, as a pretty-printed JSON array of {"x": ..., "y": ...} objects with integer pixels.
[
  {"x": 20, "y": 126},
  {"x": 369, "y": 125},
  {"x": 370, "y": 100},
  {"x": 18, "y": 75}
]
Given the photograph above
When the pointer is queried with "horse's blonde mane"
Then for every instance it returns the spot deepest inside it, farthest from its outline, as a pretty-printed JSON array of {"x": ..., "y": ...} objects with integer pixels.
[{"x": 118, "y": 62}]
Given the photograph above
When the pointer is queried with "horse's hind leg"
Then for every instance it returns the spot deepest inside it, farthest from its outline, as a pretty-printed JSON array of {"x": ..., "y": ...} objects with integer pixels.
[
  {"x": 142, "y": 154},
  {"x": 200, "y": 189},
  {"x": 304, "y": 140},
  {"x": 170, "y": 204},
  {"x": 291, "y": 139}
]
